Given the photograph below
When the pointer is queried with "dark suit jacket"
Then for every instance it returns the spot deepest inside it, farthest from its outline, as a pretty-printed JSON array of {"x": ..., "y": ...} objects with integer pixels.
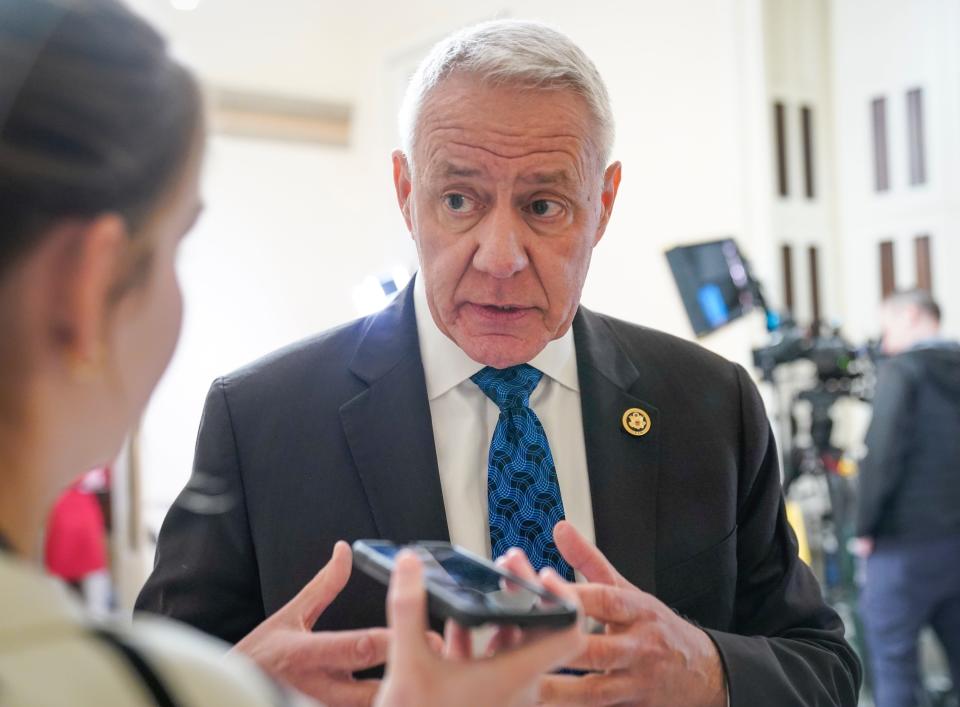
[{"x": 332, "y": 438}]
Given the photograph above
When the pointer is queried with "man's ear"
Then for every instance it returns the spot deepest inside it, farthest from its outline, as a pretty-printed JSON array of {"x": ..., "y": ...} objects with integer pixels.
[
  {"x": 611, "y": 184},
  {"x": 88, "y": 268},
  {"x": 403, "y": 182}
]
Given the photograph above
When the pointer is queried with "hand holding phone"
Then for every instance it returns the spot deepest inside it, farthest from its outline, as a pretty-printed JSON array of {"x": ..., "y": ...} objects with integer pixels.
[
  {"x": 417, "y": 676},
  {"x": 469, "y": 589}
]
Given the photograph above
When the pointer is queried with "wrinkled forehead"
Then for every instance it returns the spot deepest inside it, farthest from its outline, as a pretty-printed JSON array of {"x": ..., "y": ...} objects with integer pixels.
[
  {"x": 557, "y": 165},
  {"x": 499, "y": 129}
]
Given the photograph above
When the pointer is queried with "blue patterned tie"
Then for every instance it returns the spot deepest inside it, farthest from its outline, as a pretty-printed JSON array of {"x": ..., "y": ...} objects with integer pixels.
[{"x": 522, "y": 489}]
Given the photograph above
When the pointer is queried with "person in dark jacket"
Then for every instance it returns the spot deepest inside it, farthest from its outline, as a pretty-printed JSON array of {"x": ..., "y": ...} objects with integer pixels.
[{"x": 909, "y": 511}]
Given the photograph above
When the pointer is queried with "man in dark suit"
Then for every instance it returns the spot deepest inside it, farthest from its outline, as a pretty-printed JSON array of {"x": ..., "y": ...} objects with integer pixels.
[{"x": 485, "y": 405}]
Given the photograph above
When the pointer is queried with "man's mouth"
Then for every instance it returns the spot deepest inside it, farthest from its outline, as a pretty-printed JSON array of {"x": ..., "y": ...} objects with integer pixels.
[{"x": 500, "y": 312}]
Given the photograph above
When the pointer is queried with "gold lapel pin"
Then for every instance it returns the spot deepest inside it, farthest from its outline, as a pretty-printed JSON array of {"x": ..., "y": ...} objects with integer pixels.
[{"x": 636, "y": 422}]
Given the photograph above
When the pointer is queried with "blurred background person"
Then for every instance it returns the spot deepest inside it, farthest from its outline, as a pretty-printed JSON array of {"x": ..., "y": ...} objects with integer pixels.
[
  {"x": 75, "y": 542},
  {"x": 101, "y": 144},
  {"x": 909, "y": 508}
]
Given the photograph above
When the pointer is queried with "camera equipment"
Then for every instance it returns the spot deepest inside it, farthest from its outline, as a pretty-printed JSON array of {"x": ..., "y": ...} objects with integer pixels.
[
  {"x": 841, "y": 370},
  {"x": 835, "y": 359},
  {"x": 717, "y": 285},
  {"x": 714, "y": 283}
]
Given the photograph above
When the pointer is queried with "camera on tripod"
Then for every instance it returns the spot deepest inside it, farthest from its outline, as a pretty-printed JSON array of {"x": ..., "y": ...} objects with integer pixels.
[
  {"x": 837, "y": 362},
  {"x": 841, "y": 370}
]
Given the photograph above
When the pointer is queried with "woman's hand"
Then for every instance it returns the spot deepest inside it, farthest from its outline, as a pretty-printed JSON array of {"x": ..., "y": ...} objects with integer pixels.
[{"x": 418, "y": 677}]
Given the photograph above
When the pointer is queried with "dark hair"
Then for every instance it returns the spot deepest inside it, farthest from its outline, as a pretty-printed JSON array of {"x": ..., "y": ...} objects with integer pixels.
[
  {"x": 95, "y": 117},
  {"x": 921, "y": 299}
]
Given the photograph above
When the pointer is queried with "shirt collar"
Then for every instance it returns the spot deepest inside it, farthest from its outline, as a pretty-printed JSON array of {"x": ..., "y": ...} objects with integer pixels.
[{"x": 445, "y": 365}]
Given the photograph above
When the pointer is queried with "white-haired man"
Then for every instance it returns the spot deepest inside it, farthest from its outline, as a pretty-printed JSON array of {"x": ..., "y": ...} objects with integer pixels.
[{"x": 517, "y": 418}]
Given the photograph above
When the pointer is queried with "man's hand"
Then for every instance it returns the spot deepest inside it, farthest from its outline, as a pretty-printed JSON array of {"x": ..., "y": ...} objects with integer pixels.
[
  {"x": 417, "y": 676},
  {"x": 318, "y": 664},
  {"x": 647, "y": 654}
]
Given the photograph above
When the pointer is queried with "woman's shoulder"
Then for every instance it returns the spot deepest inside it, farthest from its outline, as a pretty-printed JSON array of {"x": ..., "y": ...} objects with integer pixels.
[
  {"x": 197, "y": 668},
  {"x": 51, "y": 654}
]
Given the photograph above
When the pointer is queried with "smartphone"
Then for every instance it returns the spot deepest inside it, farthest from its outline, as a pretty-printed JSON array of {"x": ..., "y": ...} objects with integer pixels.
[{"x": 467, "y": 588}]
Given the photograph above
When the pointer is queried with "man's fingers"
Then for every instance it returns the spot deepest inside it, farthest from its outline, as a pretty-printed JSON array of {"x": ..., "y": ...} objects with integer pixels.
[
  {"x": 436, "y": 643},
  {"x": 407, "y": 610},
  {"x": 345, "y": 651},
  {"x": 504, "y": 638},
  {"x": 613, "y": 652},
  {"x": 457, "y": 643},
  {"x": 518, "y": 668},
  {"x": 516, "y": 561},
  {"x": 320, "y": 591},
  {"x": 556, "y": 584},
  {"x": 613, "y": 605},
  {"x": 583, "y": 556},
  {"x": 595, "y": 690}
]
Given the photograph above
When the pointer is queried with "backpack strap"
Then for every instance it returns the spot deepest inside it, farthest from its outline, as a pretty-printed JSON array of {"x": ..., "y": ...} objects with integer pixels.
[{"x": 148, "y": 676}]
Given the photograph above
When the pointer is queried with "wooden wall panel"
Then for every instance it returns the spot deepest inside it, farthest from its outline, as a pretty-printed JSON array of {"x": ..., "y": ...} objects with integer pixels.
[
  {"x": 888, "y": 278},
  {"x": 809, "y": 167},
  {"x": 788, "y": 294},
  {"x": 780, "y": 135},
  {"x": 881, "y": 164},
  {"x": 814, "y": 267},
  {"x": 915, "y": 137},
  {"x": 924, "y": 263}
]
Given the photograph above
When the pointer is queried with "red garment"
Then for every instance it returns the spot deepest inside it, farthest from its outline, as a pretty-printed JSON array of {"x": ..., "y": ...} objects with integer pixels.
[{"x": 76, "y": 543}]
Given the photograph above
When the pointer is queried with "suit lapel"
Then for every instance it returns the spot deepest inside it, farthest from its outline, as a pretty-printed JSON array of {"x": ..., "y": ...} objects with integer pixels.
[
  {"x": 389, "y": 429},
  {"x": 623, "y": 469}
]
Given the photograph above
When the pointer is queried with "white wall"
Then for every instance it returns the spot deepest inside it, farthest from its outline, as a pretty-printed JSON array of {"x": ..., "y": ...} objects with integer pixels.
[
  {"x": 274, "y": 257},
  {"x": 680, "y": 76},
  {"x": 798, "y": 58},
  {"x": 884, "y": 48},
  {"x": 290, "y": 230}
]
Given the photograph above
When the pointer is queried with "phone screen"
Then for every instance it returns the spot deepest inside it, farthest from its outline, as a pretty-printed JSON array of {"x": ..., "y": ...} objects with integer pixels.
[{"x": 474, "y": 581}]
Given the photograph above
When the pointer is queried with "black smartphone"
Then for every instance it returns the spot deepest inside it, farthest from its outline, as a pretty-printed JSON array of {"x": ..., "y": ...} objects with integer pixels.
[{"x": 467, "y": 588}]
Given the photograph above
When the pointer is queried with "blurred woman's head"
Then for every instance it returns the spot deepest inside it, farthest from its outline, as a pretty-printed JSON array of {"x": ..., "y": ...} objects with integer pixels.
[{"x": 100, "y": 144}]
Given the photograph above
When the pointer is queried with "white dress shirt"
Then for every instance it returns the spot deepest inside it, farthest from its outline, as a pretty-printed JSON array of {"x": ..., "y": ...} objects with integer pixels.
[{"x": 464, "y": 419}]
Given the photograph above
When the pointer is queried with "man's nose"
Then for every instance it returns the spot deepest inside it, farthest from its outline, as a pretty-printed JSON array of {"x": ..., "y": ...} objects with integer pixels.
[{"x": 500, "y": 252}]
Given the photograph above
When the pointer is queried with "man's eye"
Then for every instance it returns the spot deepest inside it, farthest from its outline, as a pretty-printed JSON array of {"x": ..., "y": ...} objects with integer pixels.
[
  {"x": 459, "y": 203},
  {"x": 545, "y": 208}
]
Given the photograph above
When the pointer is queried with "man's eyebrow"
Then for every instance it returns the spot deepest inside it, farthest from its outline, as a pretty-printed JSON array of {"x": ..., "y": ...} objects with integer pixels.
[
  {"x": 449, "y": 169},
  {"x": 559, "y": 176}
]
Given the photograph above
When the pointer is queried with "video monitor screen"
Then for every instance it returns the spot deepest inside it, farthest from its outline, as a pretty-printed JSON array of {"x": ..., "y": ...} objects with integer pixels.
[{"x": 714, "y": 283}]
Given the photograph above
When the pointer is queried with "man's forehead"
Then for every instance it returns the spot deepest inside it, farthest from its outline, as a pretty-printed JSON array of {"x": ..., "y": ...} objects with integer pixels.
[
  {"x": 464, "y": 121},
  {"x": 534, "y": 174}
]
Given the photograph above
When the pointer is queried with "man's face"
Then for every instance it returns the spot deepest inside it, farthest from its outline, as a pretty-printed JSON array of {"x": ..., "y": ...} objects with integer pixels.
[
  {"x": 892, "y": 326},
  {"x": 903, "y": 325},
  {"x": 506, "y": 201}
]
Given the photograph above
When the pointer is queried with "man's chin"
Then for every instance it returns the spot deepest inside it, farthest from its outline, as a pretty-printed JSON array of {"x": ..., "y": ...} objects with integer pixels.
[{"x": 499, "y": 350}]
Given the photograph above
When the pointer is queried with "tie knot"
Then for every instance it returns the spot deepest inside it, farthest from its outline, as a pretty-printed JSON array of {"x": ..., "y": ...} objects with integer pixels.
[{"x": 508, "y": 387}]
